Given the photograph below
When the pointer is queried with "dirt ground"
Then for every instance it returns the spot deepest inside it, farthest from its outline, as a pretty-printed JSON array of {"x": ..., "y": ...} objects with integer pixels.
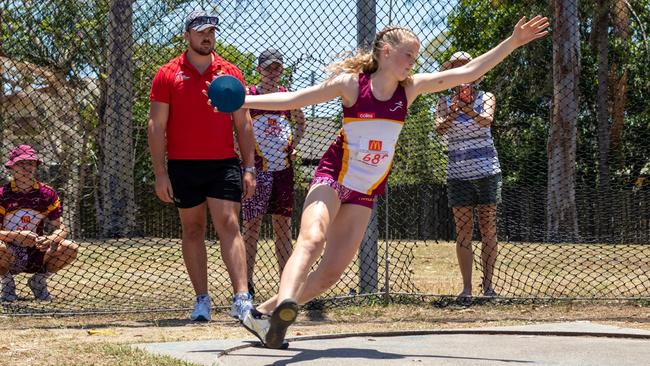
[{"x": 105, "y": 340}]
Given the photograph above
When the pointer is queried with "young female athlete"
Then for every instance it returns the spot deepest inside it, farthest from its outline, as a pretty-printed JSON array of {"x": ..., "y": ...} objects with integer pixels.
[{"x": 376, "y": 89}]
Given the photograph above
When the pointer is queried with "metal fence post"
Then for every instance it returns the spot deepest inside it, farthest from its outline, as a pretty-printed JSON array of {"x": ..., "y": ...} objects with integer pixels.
[
  {"x": 368, "y": 264},
  {"x": 386, "y": 253}
]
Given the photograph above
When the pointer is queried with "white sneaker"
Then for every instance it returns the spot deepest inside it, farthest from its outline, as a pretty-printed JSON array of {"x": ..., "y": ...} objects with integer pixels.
[
  {"x": 242, "y": 303},
  {"x": 257, "y": 323},
  {"x": 8, "y": 288},
  {"x": 38, "y": 284},
  {"x": 202, "y": 309}
]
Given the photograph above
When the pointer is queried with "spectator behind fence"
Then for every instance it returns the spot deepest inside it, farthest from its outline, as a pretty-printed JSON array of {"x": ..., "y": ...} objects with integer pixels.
[
  {"x": 275, "y": 152},
  {"x": 202, "y": 170},
  {"x": 473, "y": 173},
  {"x": 25, "y": 206},
  {"x": 376, "y": 88}
]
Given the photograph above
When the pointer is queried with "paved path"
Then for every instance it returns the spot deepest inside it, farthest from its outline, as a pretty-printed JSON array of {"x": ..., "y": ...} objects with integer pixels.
[{"x": 575, "y": 343}]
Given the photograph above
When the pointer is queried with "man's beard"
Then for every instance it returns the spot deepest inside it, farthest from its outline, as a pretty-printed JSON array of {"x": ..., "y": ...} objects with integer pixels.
[{"x": 201, "y": 51}]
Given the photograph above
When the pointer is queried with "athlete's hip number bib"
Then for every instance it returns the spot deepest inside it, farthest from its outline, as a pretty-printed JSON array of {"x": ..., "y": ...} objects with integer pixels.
[{"x": 374, "y": 152}]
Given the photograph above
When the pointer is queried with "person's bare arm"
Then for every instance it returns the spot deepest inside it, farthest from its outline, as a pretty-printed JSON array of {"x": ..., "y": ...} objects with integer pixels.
[
  {"x": 156, "y": 137},
  {"x": 23, "y": 238},
  {"x": 246, "y": 141},
  {"x": 339, "y": 86},
  {"x": 60, "y": 231},
  {"x": 444, "y": 117},
  {"x": 485, "y": 118},
  {"x": 523, "y": 33},
  {"x": 300, "y": 124},
  {"x": 53, "y": 240}
]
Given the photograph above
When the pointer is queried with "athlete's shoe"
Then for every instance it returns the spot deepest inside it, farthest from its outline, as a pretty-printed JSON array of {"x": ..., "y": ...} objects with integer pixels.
[
  {"x": 258, "y": 324},
  {"x": 242, "y": 303},
  {"x": 202, "y": 309},
  {"x": 283, "y": 316},
  {"x": 8, "y": 288},
  {"x": 38, "y": 284}
]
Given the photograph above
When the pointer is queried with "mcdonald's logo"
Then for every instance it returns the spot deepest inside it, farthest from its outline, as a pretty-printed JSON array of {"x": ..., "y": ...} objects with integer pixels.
[
  {"x": 26, "y": 219},
  {"x": 272, "y": 122},
  {"x": 374, "y": 145}
]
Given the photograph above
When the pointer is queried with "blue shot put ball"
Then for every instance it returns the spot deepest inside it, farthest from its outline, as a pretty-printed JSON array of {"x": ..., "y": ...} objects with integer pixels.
[{"x": 226, "y": 93}]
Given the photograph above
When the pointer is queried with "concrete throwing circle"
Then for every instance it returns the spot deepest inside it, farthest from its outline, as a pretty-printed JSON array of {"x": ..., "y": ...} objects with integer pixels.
[{"x": 453, "y": 347}]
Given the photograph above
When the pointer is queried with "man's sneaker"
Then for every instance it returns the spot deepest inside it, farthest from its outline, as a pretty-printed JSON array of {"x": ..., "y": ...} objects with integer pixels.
[
  {"x": 8, "y": 288},
  {"x": 283, "y": 316},
  {"x": 242, "y": 303},
  {"x": 490, "y": 293},
  {"x": 38, "y": 284},
  {"x": 258, "y": 324},
  {"x": 202, "y": 309}
]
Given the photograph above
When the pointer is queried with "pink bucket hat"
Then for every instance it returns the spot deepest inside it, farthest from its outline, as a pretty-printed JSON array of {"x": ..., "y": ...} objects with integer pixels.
[{"x": 22, "y": 152}]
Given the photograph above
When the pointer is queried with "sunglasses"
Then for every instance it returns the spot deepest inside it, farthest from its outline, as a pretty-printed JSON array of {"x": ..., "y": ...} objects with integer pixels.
[{"x": 214, "y": 21}]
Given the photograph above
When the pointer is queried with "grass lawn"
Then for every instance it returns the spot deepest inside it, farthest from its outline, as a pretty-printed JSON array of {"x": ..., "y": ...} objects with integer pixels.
[
  {"x": 132, "y": 275},
  {"x": 129, "y": 276}
]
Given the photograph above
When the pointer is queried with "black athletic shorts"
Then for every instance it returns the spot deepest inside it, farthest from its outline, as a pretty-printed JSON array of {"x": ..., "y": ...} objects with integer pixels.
[{"x": 195, "y": 180}]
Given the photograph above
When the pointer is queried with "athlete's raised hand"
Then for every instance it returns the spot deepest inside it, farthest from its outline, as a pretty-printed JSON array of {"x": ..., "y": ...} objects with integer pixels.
[{"x": 527, "y": 31}]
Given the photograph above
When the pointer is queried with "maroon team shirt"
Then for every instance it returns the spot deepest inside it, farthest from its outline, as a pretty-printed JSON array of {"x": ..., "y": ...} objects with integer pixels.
[{"x": 27, "y": 210}]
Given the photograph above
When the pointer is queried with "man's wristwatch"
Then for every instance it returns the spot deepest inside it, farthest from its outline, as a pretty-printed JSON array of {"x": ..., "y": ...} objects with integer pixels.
[{"x": 250, "y": 169}]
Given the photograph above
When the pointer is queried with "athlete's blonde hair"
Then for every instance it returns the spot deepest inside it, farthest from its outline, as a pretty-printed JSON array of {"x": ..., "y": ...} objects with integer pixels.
[{"x": 368, "y": 61}]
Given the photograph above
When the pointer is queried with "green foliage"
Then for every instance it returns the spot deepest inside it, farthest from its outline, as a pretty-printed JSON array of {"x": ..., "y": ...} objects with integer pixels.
[
  {"x": 419, "y": 157},
  {"x": 523, "y": 88},
  {"x": 65, "y": 36}
]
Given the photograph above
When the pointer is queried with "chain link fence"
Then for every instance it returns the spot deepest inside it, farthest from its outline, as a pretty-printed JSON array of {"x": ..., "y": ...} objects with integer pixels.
[{"x": 566, "y": 146}]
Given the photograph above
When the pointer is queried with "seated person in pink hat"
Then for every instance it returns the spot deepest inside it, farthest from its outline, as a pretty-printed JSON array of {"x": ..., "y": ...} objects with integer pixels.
[{"x": 25, "y": 205}]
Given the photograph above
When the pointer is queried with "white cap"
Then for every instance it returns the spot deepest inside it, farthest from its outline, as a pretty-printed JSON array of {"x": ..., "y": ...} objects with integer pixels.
[{"x": 457, "y": 56}]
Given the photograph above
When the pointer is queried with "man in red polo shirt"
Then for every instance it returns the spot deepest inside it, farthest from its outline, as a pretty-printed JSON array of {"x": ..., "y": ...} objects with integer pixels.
[{"x": 202, "y": 170}]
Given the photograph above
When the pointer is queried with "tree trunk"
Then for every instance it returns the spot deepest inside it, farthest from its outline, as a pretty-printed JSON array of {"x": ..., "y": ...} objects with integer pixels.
[
  {"x": 601, "y": 19},
  {"x": 619, "y": 77},
  {"x": 116, "y": 214},
  {"x": 561, "y": 215}
]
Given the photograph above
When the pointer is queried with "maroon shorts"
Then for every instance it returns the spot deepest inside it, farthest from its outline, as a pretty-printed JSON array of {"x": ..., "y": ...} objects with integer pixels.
[
  {"x": 273, "y": 195},
  {"x": 346, "y": 195},
  {"x": 27, "y": 260}
]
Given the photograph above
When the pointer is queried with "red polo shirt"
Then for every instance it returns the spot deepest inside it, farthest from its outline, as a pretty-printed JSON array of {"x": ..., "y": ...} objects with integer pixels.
[{"x": 194, "y": 130}]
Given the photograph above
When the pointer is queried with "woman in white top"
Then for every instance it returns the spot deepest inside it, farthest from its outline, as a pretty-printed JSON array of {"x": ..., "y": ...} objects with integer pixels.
[{"x": 473, "y": 172}]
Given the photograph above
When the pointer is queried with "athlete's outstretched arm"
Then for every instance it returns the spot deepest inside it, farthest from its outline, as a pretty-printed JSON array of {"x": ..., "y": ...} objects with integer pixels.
[
  {"x": 279, "y": 101},
  {"x": 524, "y": 32},
  {"x": 319, "y": 93}
]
